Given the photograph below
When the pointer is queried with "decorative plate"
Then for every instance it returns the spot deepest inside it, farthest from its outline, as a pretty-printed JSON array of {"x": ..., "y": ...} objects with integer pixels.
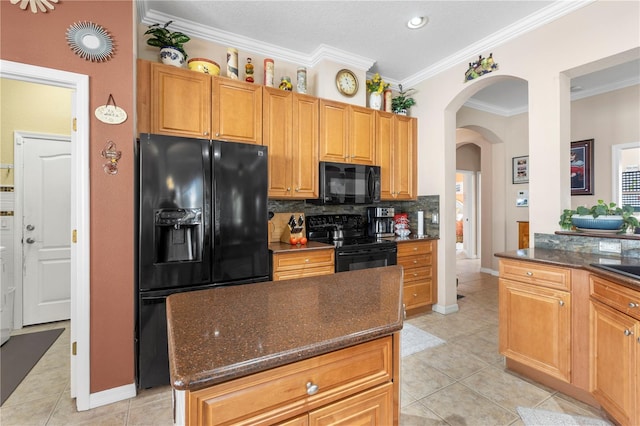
[{"x": 90, "y": 41}]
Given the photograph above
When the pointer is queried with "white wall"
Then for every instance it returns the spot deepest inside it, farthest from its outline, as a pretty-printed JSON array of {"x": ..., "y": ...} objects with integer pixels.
[{"x": 547, "y": 58}]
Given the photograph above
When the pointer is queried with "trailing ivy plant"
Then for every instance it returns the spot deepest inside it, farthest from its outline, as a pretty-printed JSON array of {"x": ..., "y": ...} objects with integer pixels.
[{"x": 601, "y": 209}]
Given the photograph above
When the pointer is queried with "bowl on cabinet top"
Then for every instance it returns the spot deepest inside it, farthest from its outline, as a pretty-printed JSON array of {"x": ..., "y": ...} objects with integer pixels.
[{"x": 204, "y": 65}]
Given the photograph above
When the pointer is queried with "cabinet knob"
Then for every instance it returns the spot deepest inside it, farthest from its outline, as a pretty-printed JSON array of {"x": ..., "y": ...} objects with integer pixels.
[
  {"x": 288, "y": 189},
  {"x": 529, "y": 273},
  {"x": 217, "y": 134},
  {"x": 312, "y": 389},
  {"x": 628, "y": 332},
  {"x": 561, "y": 303},
  {"x": 306, "y": 261},
  {"x": 415, "y": 249},
  {"x": 206, "y": 133},
  {"x": 415, "y": 274},
  {"x": 415, "y": 261},
  {"x": 415, "y": 294},
  {"x": 633, "y": 305},
  {"x": 297, "y": 189}
]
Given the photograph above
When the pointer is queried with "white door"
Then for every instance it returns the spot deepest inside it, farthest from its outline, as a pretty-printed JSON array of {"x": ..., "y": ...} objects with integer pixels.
[{"x": 46, "y": 230}]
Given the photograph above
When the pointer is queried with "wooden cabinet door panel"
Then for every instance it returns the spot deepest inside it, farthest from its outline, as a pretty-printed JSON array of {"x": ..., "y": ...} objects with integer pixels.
[
  {"x": 373, "y": 407},
  {"x": 384, "y": 153},
  {"x": 334, "y": 131},
  {"x": 180, "y": 102},
  {"x": 416, "y": 274},
  {"x": 621, "y": 298},
  {"x": 614, "y": 351},
  {"x": 277, "y": 136},
  {"x": 404, "y": 158},
  {"x": 304, "y": 155},
  {"x": 237, "y": 111},
  {"x": 535, "y": 327},
  {"x": 362, "y": 126},
  {"x": 418, "y": 294}
]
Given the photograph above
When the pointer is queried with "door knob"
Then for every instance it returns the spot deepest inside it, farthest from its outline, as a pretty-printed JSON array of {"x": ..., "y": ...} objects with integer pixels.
[
  {"x": 30, "y": 241},
  {"x": 30, "y": 227}
]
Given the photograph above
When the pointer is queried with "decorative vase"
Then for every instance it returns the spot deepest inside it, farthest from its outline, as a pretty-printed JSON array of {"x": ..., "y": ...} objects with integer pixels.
[
  {"x": 603, "y": 223},
  {"x": 375, "y": 100},
  {"x": 402, "y": 112},
  {"x": 172, "y": 56}
]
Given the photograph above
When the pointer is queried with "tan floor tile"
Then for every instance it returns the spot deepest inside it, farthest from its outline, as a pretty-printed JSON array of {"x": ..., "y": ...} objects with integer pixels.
[
  {"x": 418, "y": 378},
  {"x": 417, "y": 414},
  {"x": 146, "y": 396},
  {"x": 33, "y": 412},
  {"x": 36, "y": 386},
  {"x": 156, "y": 413},
  {"x": 561, "y": 404},
  {"x": 66, "y": 413},
  {"x": 505, "y": 389},
  {"x": 459, "y": 405},
  {"x": 456, "y": 364}
]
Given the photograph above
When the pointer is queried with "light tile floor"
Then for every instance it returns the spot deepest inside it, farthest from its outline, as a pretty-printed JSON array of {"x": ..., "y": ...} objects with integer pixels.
[{"x": 462, "y": 382}]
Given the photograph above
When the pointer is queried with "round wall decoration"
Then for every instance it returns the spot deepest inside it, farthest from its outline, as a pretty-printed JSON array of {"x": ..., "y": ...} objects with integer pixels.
[
  {"x": 90, "y": 41},
  {"x": 35, "y": 4}
]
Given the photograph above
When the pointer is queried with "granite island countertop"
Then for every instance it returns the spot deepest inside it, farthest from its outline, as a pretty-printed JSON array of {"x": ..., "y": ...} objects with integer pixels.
[
  {"x": 574, "y": 259},
  {"x": 223, "y": 333}
]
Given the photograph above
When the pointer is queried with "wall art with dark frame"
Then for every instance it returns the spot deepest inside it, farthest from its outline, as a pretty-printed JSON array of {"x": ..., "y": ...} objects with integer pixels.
[
  {"x": 520, "y": 169},
  {"x": 582, "y": 167}
]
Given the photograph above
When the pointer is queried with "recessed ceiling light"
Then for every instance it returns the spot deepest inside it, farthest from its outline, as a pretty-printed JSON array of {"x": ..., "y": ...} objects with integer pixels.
[{"x": 417, "y": 22}]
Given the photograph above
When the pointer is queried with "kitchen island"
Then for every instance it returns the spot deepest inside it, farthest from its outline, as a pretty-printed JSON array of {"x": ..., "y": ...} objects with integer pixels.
[{"x": 297, "y": 350}]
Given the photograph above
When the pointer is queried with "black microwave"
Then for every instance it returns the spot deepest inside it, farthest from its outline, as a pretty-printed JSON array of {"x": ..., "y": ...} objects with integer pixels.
[{"x": 342, "y": 183}]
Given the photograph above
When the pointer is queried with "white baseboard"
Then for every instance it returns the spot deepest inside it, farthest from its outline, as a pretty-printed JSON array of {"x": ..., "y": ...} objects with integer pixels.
[
  {"x": 110, "y": 396},
  {"x": 489, "y": 271},
  {"x": 445, "y": 310}
]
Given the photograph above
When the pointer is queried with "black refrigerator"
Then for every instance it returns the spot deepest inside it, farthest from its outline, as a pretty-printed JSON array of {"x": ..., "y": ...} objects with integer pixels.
[{"x": 202, "y": 222}]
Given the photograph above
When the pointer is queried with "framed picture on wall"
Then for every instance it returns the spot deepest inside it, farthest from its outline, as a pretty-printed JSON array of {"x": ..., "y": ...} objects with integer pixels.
[
  {"x": 520, "y": 169},
  {"x": 582, "y": 167}
]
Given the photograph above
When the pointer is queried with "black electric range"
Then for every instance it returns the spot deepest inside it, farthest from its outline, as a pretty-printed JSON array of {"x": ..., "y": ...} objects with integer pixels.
[{"x": 354, "y": 249}]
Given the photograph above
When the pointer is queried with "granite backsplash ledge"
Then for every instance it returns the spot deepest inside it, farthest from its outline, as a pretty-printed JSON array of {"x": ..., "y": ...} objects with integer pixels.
[
  {"x": 602, "y": 245},
  {"x": 429, "y": 204}
]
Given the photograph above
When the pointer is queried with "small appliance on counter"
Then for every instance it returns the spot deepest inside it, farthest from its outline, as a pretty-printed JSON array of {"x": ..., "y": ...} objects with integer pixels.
[{"x": 380, "y": 221}]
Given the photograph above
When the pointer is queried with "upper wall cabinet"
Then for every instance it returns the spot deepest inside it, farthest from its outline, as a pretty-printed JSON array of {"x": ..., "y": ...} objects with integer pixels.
[
  {"x": 290, "y": 131},
  {"x": 173, "y": 101},
  {"x": 396, "y": 146},
  {"x": 180, "y": 102},
  {"x": 237, "y": 111},
  {"x": 347, "y": 133}
]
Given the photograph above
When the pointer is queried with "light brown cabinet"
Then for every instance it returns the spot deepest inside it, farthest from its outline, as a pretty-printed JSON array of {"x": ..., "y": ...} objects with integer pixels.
[
  {"x": 535, "y": 316},
  {"x": 335, "y": 388},
  {"x": 290, "y": 131},
  {"x": 347, "y": 133},
  {"x": 614, "y": 348},
  {"x": 180, "y": 102},
  {"x": 523, "y": 234},
  {"x": 418, "y": 258},
  {"x": 396, "y": 146},
  {"x": 303, "y": 263},
  {"x": 237, "y": 111}
]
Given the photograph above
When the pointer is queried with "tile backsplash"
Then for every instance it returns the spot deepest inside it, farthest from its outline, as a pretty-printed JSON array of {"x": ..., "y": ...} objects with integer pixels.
[{"x": 629, "y": 247}]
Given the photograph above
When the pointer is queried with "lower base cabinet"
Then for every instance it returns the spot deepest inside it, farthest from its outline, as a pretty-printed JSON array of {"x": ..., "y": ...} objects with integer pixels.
[
  {"x": 615, "y": 349},
  {"x": 303, "y": 263},
  {"x": 418, "y": 258},
  {"x": 355, "y": 385}
]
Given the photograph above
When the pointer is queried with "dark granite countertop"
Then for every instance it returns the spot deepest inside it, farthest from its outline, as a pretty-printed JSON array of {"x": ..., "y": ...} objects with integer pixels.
[
  {"x": 575, "y": 259},
  {"x": 280, "y": 247},
  {"x": 224, "y": 333},
  {"x": 412, "y": 237}
]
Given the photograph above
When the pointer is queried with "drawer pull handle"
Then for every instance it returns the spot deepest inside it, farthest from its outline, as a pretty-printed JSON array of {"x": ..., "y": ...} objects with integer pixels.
[
  {"x": 306, "y": 261},
  {"x": 628, "y": 332},
  {"x": 415, "y": 261},
  {"x": 312, "y": 389},
  {"x": 415, "y": 249},
  {"x": 529, "y": 274},
  {"x": 561, "y": 303},
  {"x": 633, "y": 305},
  {"x": 415, "y": 275}
]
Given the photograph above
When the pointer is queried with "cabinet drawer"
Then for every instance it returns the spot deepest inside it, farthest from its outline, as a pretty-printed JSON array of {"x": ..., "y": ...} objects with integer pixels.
[
  {"x": 303, "y": 272},
  {"x": 414, "y": 247},
  {"x": 412, "y": 275},
  {"x": 535, "y": 273},
  {"x": 618, "y": 297},
  {"x": 284, "y": 261},
  {"x": 281, "y": 393},
  {"x": 411, "y": 262},
  {"x": 417, "y": 294}
]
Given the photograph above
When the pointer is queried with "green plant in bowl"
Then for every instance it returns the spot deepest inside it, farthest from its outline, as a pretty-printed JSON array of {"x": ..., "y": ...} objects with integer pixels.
[
  {"x": 162, "y": 37},
  {"x": 586, "y": 217}
]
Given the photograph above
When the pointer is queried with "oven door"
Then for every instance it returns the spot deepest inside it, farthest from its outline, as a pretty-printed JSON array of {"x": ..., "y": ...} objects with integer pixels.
[{"x": 352, "y": 260}]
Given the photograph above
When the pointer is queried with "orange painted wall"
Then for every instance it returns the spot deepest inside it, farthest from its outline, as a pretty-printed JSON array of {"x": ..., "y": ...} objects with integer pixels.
[{"x": 40, "y": 39}]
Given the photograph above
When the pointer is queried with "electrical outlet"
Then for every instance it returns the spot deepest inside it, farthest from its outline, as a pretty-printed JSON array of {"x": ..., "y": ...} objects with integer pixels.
[{"x": 610, "y": 247}]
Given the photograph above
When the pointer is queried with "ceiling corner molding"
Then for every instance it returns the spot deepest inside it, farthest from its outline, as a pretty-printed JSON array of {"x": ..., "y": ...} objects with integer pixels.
[
  {"x": 225, "y": 38},
  {"x": 493, "y": 109},
  {"x": 605, "y": 88},
  {"x": 325, "y": 52},
  {"x": 538, "y": 19}
]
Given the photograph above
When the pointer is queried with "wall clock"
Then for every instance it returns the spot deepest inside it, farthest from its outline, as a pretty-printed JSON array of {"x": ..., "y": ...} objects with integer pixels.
[{"x": 347, "y": 82}]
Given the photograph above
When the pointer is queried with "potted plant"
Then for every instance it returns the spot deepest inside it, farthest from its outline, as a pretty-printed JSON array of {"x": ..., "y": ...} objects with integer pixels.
[
  {"x": 601, "y": 216},
  {"x": 401, "y": 103},
  {"x": 375, "y": 87},
  {"x": 170, "y": 43}
]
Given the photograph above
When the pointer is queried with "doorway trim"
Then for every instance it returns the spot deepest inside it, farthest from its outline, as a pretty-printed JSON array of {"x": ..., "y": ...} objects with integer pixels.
[{"x": 80, "y": 277}]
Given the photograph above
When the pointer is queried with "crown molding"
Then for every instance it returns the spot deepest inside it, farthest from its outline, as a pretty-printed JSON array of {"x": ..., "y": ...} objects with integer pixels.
[
  {"x": 225, "y": 38},
  {"x": 493, "y": 109},
  {"x": 536, "y": 20},
  {"x": 598, "y": 90}
]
